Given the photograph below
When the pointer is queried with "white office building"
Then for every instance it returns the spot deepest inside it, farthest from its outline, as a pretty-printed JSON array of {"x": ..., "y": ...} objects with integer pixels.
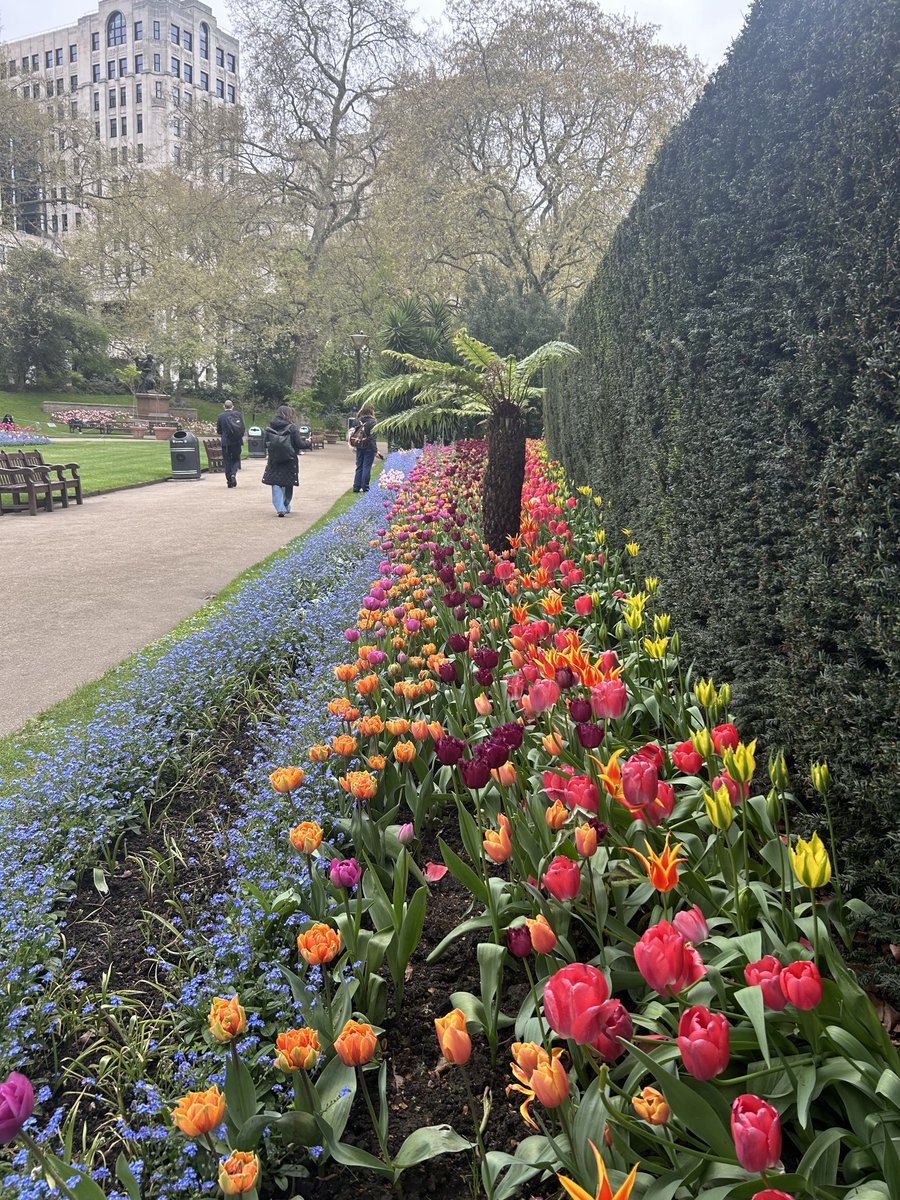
[{"x": 135, "y": 78}]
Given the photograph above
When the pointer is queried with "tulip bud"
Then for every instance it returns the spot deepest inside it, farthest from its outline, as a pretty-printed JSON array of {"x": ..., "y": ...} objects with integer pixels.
[
  {"x": 406, "y": 834},
  {"x": 651, "y": 583},
  {"x": 725, "y": 695},
  {"x": 702, "y": 741},
  {"x": 821, "y": 779},
  {"x": 518, "y": 940},
  {"x": 483, "y": 705},
  {"x": 778, "y": 772},
  {"x": 705, "y": 692},
  {"x": 227, "y": 1019},
  {"x": 675, "y": 642},
  {"x": 811, "y": 863},
  {"x": 719, "y": 808},
  {"x": 650, "y": 1105},
  {"x": 741, "y": 761}
]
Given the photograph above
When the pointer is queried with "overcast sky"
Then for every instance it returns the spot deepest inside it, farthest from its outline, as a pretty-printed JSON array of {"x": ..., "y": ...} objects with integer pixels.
[{"x": 705, "y": 27}]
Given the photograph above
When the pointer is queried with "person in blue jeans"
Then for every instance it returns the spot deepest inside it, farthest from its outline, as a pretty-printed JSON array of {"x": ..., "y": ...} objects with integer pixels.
[
  {"x": 363, "y": 438},
  {"x": 283, "y": 442}
]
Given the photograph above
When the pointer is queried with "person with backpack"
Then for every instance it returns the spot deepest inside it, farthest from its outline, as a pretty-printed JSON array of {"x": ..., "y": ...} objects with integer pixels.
[
  {"x": 283, "y": 442},
  {"x": 362, "y": 439},
  {"x": 230, "y": 428}
]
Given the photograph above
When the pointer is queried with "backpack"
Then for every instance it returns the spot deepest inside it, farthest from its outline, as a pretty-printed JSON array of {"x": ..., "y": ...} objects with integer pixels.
[
  {"x": 360, "y": 435},
  {"x": 280, "y": 446},
  {"x": 235, "y": 426}
]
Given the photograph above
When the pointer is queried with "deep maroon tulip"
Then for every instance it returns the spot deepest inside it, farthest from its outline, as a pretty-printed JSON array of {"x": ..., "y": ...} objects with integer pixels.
[
  {"x": 565, "y": 678},
  {"x": 589, "y": 735},
  {"x": 457, "y": 643},
  {"x": 460, "y": 612},
  {"x": 518, "y": 940},
  {"x": 510, "y": 734},
  {"x": 475, "y": 600},
  {"x": 485, "y": 678},
  {"x": 492, "y": 751},
  {"x": 475, "y": 772},
  {"x": 449, "y": 750},
  {"x": 486, "y": 657},
  {"x": 451, "y": 599},
  {"x": 447, "y": 672},
  {"x": 580, "y": 710}
]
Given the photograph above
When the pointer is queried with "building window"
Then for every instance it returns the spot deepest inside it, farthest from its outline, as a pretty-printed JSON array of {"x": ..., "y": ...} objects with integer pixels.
[
  {"x": 59, "y": 87},
  {"x": 139, "y": 31},
  {"x": 114, "y": 156},
  {"x": 125, "y": 164},
  {"x": 78, "y": 220},
  {"x": 204, "y": 81},
  {"x": 204, "y": 40},
  {"x": 175, "y": 34},
  {"x": 156, "y": 30},
  {"x": 188, "y": 73},
  {"x": 220, "y": 57},
  {"x": 96, "y": 101},
  {"x": 140, "y": 123},
  {"x": 97, "y": 130},
  {"x": 65, "y": 223},
  {"x": 123, "y": 96},
  {"x": 157, "y": 90},
  {"x": 73, "y": 83},
  {"x": 113, "y": 127},
  {"x": 176, "y": 68},
  {"x": 124, "y": 126},
  {"x": 35, "y": 62},
  {"x": 176, "y": 97},
  {"x": 73, "y": 108},
  {"x": 73, "y": 54},
  {"x": 138, "y": 63},
  {"x": 95, "y": 73},
  {"x": 176, "y": 126},
  {"x": 48, "y": 59},
  {"x": 139, "y": 94},
  {"x": 12, "y": 66},
  {"x": 55, "y": 223},
  {"x": 59, "y": 56},
  {"x": 111, "y": 69},
  {"x": 220, "y": 88},
  {"x": 157, "y": 64},
  {"x": 187, "y": 39},
  {"x": 187, "y": 99},
  {"x": 176, "y": 157},
  {"x": 95, "y": 41},
  {"x": 232, "y": 63},
  {"x": 232, "y": 99},
  {"x": 115, "y": 30},
  {"x": 112, "y": 97},
  {"x": 123, "y": 66},
  {"x": 26, "y": 92},
  {"x": 140, "y": 152}
]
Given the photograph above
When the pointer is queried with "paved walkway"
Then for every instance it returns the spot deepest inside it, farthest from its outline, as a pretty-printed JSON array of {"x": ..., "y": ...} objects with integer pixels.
[{"x": 82, "y": 588}]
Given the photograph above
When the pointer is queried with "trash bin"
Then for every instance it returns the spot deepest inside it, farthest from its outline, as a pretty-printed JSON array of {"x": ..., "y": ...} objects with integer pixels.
[
  {"x": 256, "y": 442},
  {"x": 185, "y": 450}
]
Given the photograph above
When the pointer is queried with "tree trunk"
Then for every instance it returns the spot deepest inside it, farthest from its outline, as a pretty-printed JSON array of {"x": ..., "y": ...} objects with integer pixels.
[
  {"x": 501, "y": 502},
  {"x": 305, "y": 355}
]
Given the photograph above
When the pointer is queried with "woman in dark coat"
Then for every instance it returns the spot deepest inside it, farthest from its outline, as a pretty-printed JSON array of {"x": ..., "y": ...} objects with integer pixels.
[{"x": 282, "y": 441}]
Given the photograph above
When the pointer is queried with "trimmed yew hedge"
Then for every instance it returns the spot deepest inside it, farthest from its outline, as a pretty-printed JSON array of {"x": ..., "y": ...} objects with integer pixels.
[{"x": 737, "y": 398}]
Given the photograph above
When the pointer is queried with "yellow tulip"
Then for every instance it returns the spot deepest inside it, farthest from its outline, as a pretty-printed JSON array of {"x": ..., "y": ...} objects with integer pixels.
[
  {"x": 705, "y": 691},
  {"x": 702, "y": 742},
  {"x": 821, "y": 780},
  {"x": 811, "y": 863},
  {"x": 661, "y": 621},
  {"x": 656, "y": 647},
  {"x": 633, "y": 619},
  {"x": 719, "y": 808},
  {"x": 741, "y": 761}
]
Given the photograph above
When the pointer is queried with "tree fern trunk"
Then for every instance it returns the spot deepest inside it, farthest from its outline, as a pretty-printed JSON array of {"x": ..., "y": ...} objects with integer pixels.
[{"x": 501, "y": 503}]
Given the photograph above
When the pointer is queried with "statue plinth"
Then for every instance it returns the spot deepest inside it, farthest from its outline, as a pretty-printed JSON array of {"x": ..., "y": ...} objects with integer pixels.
[{"x": 152, "y": 404}]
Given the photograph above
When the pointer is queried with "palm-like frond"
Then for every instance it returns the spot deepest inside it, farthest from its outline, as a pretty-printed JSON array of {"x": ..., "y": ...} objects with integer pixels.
[
  {"x": 549, "y": 353},
  {"x": 441, "y": 409},
  {"x": 473, "y": 352}
]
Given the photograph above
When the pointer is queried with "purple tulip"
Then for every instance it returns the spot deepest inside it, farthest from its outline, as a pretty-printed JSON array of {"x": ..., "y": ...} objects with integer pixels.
[
  {"x": 16, "y": 1105},
  {"x": 449, "y": 750},
  {"x": 457, "y": 643},
  {"x": 352, "y": 635},
  {"x": 486, "y": 658},
  {"x": 510, "y": 734},
  {"x": 406, "y": 834},
  {"x": 493, "y": 752},
  {"x": 447, "y": 672},
  {"x": 475, "y": 772},
  {"x": 589, "y": 735},
  {"x": 345, "y": 872},
  {"x": 485, "y": 678},
  {"x": 518, "y": 940},
  {"x": 579, "y": 710},
  {"x": 565, "y": 678}
]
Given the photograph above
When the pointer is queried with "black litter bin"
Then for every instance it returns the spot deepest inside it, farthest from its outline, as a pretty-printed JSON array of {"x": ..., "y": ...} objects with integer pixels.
[
  {"x": 256, "y": 442},
  {"x": 185, "y": 450}
]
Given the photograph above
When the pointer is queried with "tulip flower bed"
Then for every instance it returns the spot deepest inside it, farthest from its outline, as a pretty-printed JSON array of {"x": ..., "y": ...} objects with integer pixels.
[{"x": 524, "y": 827}]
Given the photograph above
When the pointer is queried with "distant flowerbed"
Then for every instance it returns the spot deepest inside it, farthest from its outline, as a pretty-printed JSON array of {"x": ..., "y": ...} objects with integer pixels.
[{"x": 21, "y": 435}]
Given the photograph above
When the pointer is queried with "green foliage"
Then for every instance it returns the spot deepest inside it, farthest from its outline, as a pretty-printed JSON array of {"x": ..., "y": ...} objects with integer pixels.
[
  {"x": 509, "y": 317},
  {"x": 737, "y": 398}
]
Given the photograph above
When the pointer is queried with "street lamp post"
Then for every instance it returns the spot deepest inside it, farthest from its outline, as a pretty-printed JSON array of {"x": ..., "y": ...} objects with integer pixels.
[{"x": 360, "y": 341}]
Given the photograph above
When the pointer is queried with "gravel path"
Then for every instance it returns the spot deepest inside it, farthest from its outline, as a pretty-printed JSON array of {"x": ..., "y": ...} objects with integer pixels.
[{"x": 82, "y": 588}]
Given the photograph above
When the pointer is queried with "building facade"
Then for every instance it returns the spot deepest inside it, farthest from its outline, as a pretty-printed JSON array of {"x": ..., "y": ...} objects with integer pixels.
[{"x": 133, "y": 79}]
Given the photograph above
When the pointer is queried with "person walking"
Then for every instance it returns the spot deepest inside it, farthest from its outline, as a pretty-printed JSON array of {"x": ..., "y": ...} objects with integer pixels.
[
  {"x": 363, "y": 441},
  {"x": 230, "y": 428},
  {"x": 283, "y": 442}
]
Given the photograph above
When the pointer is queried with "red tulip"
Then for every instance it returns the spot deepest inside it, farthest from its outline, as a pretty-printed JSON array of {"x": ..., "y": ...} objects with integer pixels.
[
  {"x": 771, "y": 1194},
  {"x": 686, "y": 758},
  {"x": 609, "y": 699},
  {"x": 614, "y": 1022},
  {"x": 584, "y": 604},
  {"x": 725, "y": 737},
  {"x": 640, "y": 780},
  {"x": 756, "y": 1129},
  {"x": 652, "y": 753},
  {"x": 562, "y": 879},
  {"x": 573, "y": 1002},
  {"x": 581, "y": 792},
  {"x": 766, "y": 974},
  {"x": 703, "y": 1039},
  {"x": 660, "y": 808},
  {"x": 666, "y": 961},
  {"x": 801, "y": 984}
]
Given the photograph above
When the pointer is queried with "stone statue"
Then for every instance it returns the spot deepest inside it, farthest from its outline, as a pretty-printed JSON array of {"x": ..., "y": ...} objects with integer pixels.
[{"x": 147, "y": 368}]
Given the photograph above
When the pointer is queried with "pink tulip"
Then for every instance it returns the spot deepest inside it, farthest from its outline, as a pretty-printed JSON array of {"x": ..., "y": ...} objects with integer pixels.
[
  {"x": 703, "y": 1039},
  {"x": 666, "y": 961},
  {"x": 756, "y": 1129},
  {"x": 765, "y": 974},
  {"x": 692, "y": 925},
  {"x": 609, "y": 699},
  {"x": 801, "y": 984},
  {"x": 573, "y": 999}
]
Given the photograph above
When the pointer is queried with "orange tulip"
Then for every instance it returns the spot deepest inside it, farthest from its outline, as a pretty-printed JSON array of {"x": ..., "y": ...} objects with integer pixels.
[
  {"x": 397, "y": 727},
  {"x": 199, "y": 1112},
  {"x": 344, "y": 672},
  {"x": 306, "y": 837},
  {"x": 343, "y": 744},
  {"x": 526, "y": 1057},
  {"x": 498, "y": 845},
  {"x": 586, "y": 840},
  {"x": 356, "y": 1044},
  {"x": 286, "y": 779},
  {"x": 370, "y": 726},
  {"x": 239, "y": 1172},
  {"x": 543, "y": 939},
  {"x": 483, "y": 705},
  {"x": 367, "y": 685},
  {"x": 319, "y": 753},
  {"x": 419, "y": 730},
  {"x": 435, "y": 730},
  {"x": 552, "y": 604},
  {"x": 360, "y": 784},
  {"x": 556, "y": 815},
  {"x": 552, "y": 743},
  {"x": 550, "y": 1082},
  {"x": 662, "y": 869},
  {"x": 604, "y": 1189},
  {"x": 453, "y": 1037},
  {"x": 226, "y": 1019},
  {"x": 319, "y": 944},
  {"x": 405, "y": 752},
  {"x": 375, "y": 762},
  {"x": 650, "y": 1105},
  {"x": 506, "y": 775},
  {"x": 297, "y": 1050}
]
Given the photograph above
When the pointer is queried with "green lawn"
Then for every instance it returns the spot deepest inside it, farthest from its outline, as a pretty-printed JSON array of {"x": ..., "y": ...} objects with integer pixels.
[
  {"x": 25, "y": 407},
  {"x": 107, "y": 465}
]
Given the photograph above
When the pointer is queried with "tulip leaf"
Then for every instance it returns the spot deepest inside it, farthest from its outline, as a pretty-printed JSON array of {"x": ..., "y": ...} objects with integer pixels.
[
  {"x": 692, "y": 1109},
  {"x": 411, "y": 930},
  {"x": 751, "y": 1001},
  {"x": 336, "y": 1088},
  {"x": 247, "y": 1137},
  {"x": 352, "y": 1156},
  {"x": 463, "y": 872},
  {"x": 428, "y": 1142},
  {"x": 100, "y": 881},
  {"x": 825, "y": 1147},
  {"x": 297, "y": 1128},
  {"x": 125, "y": 1176},
  {"x": 806, "y": 1082},
  {"x": 84, "y": 1189},
  {"x": 240, "y": 1093},
  {"x": 471, "y": 926},
  {"x": 889, "y": 1086}
]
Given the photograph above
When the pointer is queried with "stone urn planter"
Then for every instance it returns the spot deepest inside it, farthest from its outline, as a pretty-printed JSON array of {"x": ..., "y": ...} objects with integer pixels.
[
  {"x": 331, "y": 438},
  {"x": 163, "y": 433}
]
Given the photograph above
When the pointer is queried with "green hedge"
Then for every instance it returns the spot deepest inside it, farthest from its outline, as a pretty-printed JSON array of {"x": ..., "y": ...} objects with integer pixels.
[{"x": 737, "y": 398}]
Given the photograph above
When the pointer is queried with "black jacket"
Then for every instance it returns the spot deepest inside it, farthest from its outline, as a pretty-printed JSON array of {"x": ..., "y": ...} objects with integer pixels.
[
  {"x": 284, "y": 474},
  {"x": 230, "y": 427},
  {"x": 365, "y": 425}
]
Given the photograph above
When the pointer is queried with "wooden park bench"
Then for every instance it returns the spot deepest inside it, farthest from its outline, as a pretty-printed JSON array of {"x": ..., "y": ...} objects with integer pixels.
[
  {"x": 21, "y": 488},
  {"x": 214, "y": 453},
  {"x": 317, "y": 440},
  {"x": 66, "y": 484}
]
